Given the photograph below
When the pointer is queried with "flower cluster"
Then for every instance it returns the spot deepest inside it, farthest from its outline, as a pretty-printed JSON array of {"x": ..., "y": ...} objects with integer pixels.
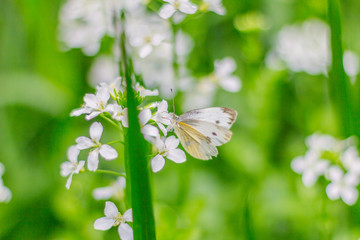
[
  {"x": 114, "y": 218},
  {"x": 305, "y": 48},
  {"x": 338, "y": 161},
  {"x": 5, "y": 193}
]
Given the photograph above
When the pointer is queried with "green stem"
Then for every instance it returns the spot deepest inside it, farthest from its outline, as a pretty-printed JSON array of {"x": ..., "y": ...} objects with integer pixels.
[
  {"x": 110, "y": 172},
  {"x": 111, "y": 121},
  {"x": 118, "y": 141},
  {"x": 136, "y": 163},
  {"x": 339, "y": 85}
]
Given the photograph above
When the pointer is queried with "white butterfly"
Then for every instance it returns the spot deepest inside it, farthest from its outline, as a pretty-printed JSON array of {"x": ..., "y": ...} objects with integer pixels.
[{"x": 201, "y": 130}]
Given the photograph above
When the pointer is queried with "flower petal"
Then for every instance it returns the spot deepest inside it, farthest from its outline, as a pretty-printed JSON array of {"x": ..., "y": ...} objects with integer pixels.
[
  {"x": 103, "y": 193},
  {"x": 125, "y": 120},
  {"x": 66, "y": 168},
  {"x": 104, "y": 223},
  {"x": 93, "y": 160},
  {"x": 108, "y": 152},
  {"x": 176, "y": 155},
  {"x": 167, "y": 11},
  {"x": 125, "y": 232},
  {"x": 171, "y": 142},
  {"x": 309, "y": 178},
  {"x": 150, "y": 130},
  {"x": 349, "y": 195},
  {"x": 73, "y": 153},
  {"x": 84, "y": 143},
  {"x": 157, "y": 163},
  {"x": 144, "y": 116},
  {"x": 68, "y": 182},
  {"x": 111, "y": 210},
  {"x": 230, "y": 84},
  {"x": 103, "y": 95},
  {"x": 225, "y": 67},
  {"x": 298, "y": 164},
  {"x": 128, "y": 215},
  {"x": 187, "y": 7},
  {"x": 79, "y": 166},
  {"x": 333, "y": 191},
  {"x": 92, "y": 115},
  {"x": 90, "y": 100},
  {"x": 145, "y": 51},
  {"x": 96, "y": 130}
]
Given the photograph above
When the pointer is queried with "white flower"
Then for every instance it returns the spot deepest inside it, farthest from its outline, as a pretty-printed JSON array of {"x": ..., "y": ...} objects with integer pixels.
[
  {"x": 150, "y": 132},
  {"x": 145, "y": 92},
  {"x": 157, "y": 69},
  {"x": 342, "y": 185},
  {"x": 223, "y": 75},
  {"x": 162, "y": 116},
  {"x": 118, "y": 113},
  {"x": 104, "y": 69},
  {"x": 94, "y": 104},
  {"x": 106, "y": 151},
  {"x": 310, "y": 166},
  {"x": 114, "y": 218},
  {"x": 147, "y": 34},
  {"x": 72, "y": 166},
  {"x": 184, "y": 6},
  {"x": 116, "y": 189},
  {"x": 5, "y": 194},
  {"x": 168, "y": 149},
  {"x": 351, "y": 160},
  {"x": 212, "y": 5},
  {"x": 305, "y": 47}
]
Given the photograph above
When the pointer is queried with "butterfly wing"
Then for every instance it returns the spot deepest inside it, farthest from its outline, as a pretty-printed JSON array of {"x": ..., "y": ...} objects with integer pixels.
[
  {"x": 217, "y": 134},
  {"x": 195, "y": 143},
  {"x": 221, "y": 116}
]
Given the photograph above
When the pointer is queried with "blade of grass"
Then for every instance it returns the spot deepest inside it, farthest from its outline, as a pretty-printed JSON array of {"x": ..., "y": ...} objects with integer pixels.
[
  {"x": 339, "y": 84},
  {"x": 144, "y": 226}
]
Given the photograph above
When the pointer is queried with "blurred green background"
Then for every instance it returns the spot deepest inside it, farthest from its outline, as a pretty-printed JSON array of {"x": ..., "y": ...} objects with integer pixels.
[{"x": 248, "y": 192}]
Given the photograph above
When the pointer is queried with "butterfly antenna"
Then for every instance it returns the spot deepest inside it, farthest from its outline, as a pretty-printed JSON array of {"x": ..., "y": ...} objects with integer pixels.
[{"x": 173, "y": 99}]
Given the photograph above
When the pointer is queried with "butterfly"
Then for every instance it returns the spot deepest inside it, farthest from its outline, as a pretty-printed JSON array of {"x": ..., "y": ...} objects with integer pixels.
[{"x": 200, "y": 131}]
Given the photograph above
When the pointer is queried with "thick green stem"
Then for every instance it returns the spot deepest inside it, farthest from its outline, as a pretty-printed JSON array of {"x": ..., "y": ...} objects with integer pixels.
[
  {"x": 137, "y": 168},
  {"x": 339, "y": 84}
]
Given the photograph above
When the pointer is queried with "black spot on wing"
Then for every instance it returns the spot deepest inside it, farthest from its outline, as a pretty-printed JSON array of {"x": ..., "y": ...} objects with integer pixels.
[
  {"x": 217, "y": 121},
  {"x": 214, "y": 133}
]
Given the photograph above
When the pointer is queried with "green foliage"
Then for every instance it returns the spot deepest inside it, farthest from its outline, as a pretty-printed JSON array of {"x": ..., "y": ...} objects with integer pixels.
[{"x": 248, "y": 192}]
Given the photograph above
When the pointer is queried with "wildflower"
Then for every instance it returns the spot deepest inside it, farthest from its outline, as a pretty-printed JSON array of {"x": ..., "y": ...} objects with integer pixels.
[
  {"x": 351, "y": 160},
  {"x": 147, "y": 34},
  {"x": 104, "y": 69},
  {"x": 94, "y": 104},
  {"x": 184, "y": 6},
  {"x": 72, "y": 166},
  {"x": 143, "y": 92},
  {"x": 223, "y": 75},
  {"x": 118, "y": 113},
  {"x": 162, "y": 116},
  {"x": 310, "y": 166},
  {"x": 304, "y": 47},
  {"x": 114, "y": 218},
  {"x": 167, "y": 148},
  {"x": 106, "y": 151},
  {"x": 116, "y": 189},
  {"x": 150, "y": 132},
  {"x": 212, "y": 5},
  {"x": 343, "y": 185}
]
